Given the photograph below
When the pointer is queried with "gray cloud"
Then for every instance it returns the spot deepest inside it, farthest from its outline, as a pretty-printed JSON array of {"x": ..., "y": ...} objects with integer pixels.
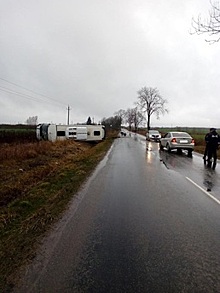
[{"x": 95, "y": 56}]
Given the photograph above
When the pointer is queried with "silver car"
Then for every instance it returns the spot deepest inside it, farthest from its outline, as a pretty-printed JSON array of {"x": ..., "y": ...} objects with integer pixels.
[
  {"x": 179, "y": 141},
  {"x": 153, "y": 135}
]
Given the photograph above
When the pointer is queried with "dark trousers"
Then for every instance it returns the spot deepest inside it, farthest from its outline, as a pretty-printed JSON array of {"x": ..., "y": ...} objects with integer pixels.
[
  {"x": 212, "y": 153},
  {"x": 206, "y": 151}
]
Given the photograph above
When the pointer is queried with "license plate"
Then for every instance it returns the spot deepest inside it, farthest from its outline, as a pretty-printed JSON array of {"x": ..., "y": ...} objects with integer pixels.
[{"x": 183, "y": 141}]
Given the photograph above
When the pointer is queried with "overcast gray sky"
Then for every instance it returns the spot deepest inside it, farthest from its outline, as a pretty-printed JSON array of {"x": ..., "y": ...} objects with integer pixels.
[{"x": 94, "y": 55}]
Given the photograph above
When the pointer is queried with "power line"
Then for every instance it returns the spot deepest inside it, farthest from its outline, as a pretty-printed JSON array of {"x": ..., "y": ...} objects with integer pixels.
[
  {"x": 7, "y": 90},
  {"x": 4, "y": 89},
  {"x": 25, "y": 95}
]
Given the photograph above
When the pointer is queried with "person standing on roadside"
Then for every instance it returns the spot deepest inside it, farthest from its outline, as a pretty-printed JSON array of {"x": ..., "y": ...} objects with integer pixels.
[
  {"x": 213, "y": 140},
  {"x": 206, "y": 146}
]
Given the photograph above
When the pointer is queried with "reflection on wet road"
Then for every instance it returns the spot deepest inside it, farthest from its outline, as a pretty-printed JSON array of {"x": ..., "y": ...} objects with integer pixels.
[
  {"x": 142, "y": 223},
  {"x": 192, "y": 168}
]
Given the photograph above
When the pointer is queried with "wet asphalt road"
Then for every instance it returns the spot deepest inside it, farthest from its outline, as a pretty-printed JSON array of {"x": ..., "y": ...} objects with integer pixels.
[{"x": 144, "y": 222}]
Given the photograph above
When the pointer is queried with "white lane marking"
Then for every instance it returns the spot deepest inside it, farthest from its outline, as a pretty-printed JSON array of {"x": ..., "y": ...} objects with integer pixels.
[{"x": 207, "y": 193}]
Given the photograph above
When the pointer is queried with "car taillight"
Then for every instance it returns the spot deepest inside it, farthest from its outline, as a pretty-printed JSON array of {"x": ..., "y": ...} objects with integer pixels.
[
  {"x": 193, "y": 140},
  {"x": 173, "y": 139}
]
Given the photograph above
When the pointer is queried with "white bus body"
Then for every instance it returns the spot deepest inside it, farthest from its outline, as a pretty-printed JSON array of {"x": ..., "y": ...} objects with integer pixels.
[
  {"x": 53, "y": 132},
  {"x": 86, "y": 132}
]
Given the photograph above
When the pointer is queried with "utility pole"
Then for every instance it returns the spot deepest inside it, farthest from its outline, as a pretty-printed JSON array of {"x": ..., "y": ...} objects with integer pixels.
[{"x": 68, "y": 115}]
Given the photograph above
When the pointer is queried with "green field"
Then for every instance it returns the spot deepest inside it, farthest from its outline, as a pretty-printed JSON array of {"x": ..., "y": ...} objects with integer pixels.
[{"x": 17, "y": 133}]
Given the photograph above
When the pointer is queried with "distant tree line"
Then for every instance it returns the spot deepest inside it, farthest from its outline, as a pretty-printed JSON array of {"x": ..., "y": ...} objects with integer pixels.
[
  {"x": 32, "y": 120},
  {"x": 149, "y": 102}
]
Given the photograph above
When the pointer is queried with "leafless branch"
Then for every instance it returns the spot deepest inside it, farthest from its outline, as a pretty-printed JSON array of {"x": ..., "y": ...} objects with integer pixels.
[{"x": 210, "y": 26}]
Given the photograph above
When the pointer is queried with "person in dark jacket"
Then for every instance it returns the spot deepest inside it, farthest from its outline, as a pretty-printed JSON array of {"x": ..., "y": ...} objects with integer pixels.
[
  {"x": 206, "y": 146},
  {"x": 213, "y": 140}
]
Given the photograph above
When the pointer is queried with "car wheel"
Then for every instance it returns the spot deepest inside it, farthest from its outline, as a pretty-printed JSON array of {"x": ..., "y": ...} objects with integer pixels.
[{"x": 168, "y": 148}]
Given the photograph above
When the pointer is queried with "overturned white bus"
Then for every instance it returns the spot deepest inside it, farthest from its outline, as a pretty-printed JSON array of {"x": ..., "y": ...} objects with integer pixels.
[{"x": 53, "y": 132}]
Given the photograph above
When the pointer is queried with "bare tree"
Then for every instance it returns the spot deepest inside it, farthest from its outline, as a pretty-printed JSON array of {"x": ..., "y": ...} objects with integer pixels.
[
  {"x": 121, "y": 114},
  {"x": 151, "y": 102},
  {"x": 129, "y": 117},
  {"x": 133, "y": 117},
  {"x": 138, "y": 118},
  {"x": 210, "y": 26},
  {"x": 112, "y": 123},
  {"x": 32, "y": 120}
]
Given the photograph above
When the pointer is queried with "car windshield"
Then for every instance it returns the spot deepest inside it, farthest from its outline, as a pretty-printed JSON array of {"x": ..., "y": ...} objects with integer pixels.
[
  {"x": 153, "y": 132},
  {"x": 180, "y": 134}
]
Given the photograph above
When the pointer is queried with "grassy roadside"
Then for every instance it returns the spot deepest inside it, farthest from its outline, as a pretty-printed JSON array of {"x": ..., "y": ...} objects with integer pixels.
[
  {"x": 34, "y": 192},
  {"x": 37, "y": 182}
]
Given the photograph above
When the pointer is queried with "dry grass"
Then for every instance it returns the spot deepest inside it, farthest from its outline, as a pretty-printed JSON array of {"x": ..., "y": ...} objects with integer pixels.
[
  {"x": 24, "y": 165},
  {"x": 38, "y": 180}
]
